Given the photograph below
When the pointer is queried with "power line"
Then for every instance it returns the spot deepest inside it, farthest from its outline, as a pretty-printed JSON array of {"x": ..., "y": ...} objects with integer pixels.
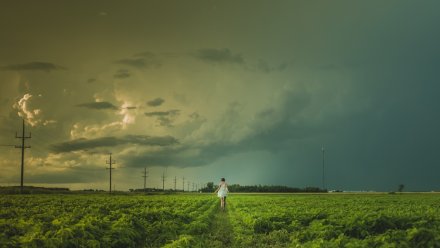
[
  {"x": 22, "y": 147},
  {"x": 110, "y": 162}
]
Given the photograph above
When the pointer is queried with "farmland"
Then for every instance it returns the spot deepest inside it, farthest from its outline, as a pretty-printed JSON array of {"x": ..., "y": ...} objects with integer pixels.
[{"x": 194, "y": 220}]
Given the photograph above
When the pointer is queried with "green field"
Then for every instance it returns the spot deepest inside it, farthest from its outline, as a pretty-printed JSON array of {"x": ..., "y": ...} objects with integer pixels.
[{"x": 194, "y": 220}]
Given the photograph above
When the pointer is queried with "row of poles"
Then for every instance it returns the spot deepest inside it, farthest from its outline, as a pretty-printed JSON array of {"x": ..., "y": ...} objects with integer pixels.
[
  {"x": 195, "y": 186},
  {"x": 111, "y": 162}
]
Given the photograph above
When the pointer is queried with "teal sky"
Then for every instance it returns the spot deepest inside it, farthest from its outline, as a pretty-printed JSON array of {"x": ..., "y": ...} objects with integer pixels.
[{"x": 246, "y": 90}]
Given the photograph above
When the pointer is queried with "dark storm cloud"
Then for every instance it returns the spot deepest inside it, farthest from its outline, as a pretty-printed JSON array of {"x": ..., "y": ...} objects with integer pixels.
[
  {"x": 98, "y": 105},
  {"x": 272, "y": 130},
  {"x": 131, "y": 107},
  {"x": 180, "y": 156},
  {"x": 224, "y": 55},
  {"x": 34, "y": 66},
  {"x": 165, "y": 118},
  {"x": 121, "y": 74},
  {"x": 156, "y": 102},
  {"x": 172, "y": 112},
  {"x": 194, "y": 155},
  {"x": 142, "y": 60},
  {"x": 85, "y": 144}
]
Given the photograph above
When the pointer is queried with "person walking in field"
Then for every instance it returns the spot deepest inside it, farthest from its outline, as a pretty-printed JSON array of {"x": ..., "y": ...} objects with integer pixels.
[{"x": 222, "y": 191}]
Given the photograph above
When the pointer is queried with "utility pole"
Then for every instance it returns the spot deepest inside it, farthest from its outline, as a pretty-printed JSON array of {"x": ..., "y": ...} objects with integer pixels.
[
  {"x": 187, "y": 187},
  {"x": 22, "y": 147},
  {"x": 175, "y": 181},
  {"x": 193, "y": 186},
  {"x": 145, "y": 178},
  {"x": 110, "y": 162},
  {"x": 183, "y": 184},
  {"x": 323, "y": 169},
  {"x": 163, "y": 181}
]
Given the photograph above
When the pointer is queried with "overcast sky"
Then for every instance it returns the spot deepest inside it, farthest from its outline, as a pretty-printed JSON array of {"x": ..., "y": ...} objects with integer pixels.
[{"x": 246, "y": 90}]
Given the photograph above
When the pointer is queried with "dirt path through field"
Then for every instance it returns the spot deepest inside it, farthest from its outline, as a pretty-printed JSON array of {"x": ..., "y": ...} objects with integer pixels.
[{"x": 221, "y": 234}]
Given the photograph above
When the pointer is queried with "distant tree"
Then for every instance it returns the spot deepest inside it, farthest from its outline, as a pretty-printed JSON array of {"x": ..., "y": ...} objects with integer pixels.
[
  {"x": 271, "y": 189},
  {"x": 210, "y": 186},
  {"x": 401, "y": 186}
]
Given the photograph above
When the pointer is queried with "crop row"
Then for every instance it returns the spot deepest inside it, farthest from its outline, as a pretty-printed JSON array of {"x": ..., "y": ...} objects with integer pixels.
[
  {"x": 102, "y": 221},
  {"x": 336, "y": 221}
]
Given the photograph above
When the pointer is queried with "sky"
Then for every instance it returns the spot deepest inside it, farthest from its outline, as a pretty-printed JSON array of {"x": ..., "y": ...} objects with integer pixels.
[{"x": 246, "y": 90}]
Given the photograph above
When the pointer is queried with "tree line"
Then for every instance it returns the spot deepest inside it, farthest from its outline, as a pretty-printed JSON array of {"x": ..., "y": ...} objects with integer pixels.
[{"x": 264, "y": 189}]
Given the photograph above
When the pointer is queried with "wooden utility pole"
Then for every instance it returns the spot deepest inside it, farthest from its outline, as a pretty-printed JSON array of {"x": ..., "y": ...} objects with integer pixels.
[
  {"x": 183, "y": 184},
  {"x": 22, "y": 147},
  {"x": 110, "y": 162}
]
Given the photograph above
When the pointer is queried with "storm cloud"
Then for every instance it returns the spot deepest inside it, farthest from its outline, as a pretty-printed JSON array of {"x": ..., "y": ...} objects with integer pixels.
[
  {"x": 98, "y": 105},
  {"x": 156, "y": 102},
  {"x": 85, "y": 144},
  {"x": 272, "y": 130},
  {"x": 182, "y": 156},
  {"x": 34, "y": 66},
  {"x": 164, "y": 118}
]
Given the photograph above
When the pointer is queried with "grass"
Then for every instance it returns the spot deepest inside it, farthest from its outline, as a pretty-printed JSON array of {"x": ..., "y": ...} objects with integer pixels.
[{"x": 221, "y": 233}]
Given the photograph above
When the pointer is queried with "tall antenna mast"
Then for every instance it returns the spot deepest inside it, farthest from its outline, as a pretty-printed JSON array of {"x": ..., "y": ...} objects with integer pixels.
[
  {"x": 145, "y": 178},
  {"x": 323, "y": 168},
  {"x": 22, "y": 146},
  {"x": 163, "y": 181}
]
